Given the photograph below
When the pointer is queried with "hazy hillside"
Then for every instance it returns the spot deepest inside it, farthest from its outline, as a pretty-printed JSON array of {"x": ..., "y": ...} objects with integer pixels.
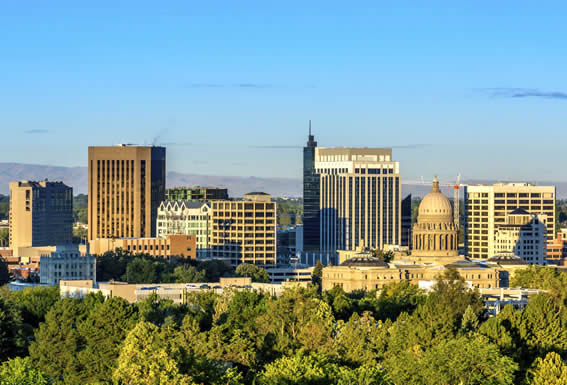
[
  {"x": 76, "y": 177},
  {"x": 237, "y": 185}
]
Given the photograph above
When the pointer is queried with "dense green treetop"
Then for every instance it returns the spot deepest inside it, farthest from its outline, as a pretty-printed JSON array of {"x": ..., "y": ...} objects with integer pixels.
[{"x": 257, "y": 273}]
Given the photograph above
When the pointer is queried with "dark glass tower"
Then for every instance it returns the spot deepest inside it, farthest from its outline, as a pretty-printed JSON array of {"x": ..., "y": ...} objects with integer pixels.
[{"x": 311, "y": 182}]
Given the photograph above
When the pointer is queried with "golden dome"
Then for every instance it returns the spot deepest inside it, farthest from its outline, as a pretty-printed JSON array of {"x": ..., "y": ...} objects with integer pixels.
[{"x": 435, "y": 206}]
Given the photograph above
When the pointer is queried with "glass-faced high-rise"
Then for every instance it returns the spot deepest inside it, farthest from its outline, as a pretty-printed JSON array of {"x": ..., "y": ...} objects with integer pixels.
[
  {"x": 360, "y": 190},
  {"x": 311, "y": 197}
]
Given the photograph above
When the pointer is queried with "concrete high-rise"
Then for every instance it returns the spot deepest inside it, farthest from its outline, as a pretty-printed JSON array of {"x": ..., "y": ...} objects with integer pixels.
[
  {"x": 360, "y": 198},
  {"x": 126, "y": 187},
  {"x": 41, "y": 214},
  {"x": 311, "y": 197},
  {"x": 486, "y": 208},
  {"x": 244, "y": 231}
]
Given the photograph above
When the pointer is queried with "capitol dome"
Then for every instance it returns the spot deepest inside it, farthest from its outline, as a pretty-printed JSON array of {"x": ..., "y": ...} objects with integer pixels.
[
  {"x": 435, "y": 233},
  {"x": 435, "y": 205}
]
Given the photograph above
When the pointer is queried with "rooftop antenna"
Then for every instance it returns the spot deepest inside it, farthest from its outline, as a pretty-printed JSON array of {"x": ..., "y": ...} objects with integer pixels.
[{"x": 309, "y": 127}]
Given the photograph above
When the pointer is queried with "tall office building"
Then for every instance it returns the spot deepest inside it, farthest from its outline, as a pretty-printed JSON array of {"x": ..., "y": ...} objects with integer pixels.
[
  {"x": 41, "y": 214},
  {"x": 126, "y": 187},
  {"x": 311, "y": 197},
  {"x": 486, "y": 207},
  {"x": 244, "y": 231},
  {"x": 360, "y": 198},
  {"x": 406, "y": 222}
]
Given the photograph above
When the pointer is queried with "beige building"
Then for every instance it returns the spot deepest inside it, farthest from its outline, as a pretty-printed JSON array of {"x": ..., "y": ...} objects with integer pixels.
[
  {"x": 244, "y": 231},
  {"x": 435, "y": 250},
  {"x": 360, "y": 198},
  {"x": 523, "y": 235},
  {"x": 41, "y": 214},
  {"x": 486, "y": 207},
  {"x": 189, "y": 218},
  {"x": 169, "y": 246},
  {"x": 126, "y": 187}
]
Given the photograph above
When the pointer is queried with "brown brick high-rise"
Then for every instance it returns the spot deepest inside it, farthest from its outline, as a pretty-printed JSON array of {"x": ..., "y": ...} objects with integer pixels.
[{"x": 126, "y": 187}]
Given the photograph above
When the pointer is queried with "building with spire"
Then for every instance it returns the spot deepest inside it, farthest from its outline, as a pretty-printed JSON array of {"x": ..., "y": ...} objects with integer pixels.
[{"x": 311, "y": 197}]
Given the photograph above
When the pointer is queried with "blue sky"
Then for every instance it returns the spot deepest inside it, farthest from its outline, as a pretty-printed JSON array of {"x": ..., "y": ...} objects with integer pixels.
[{"x": 477, "y": 88}]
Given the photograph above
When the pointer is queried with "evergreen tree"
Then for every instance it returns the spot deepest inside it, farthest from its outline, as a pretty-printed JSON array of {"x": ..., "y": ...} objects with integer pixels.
[
  {"x": 19, "y": 371},
  {"x": 144, "y": 360},
  {"x": 317, "y": 274},
  {"x": 550, "y": 370},
  {"x": 11, "y": 341}
]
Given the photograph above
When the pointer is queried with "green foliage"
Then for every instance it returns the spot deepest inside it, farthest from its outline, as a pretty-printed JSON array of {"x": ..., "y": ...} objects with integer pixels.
[
  {"x": 4, "y": 206},
  {"x": 317, "y": 274},
  {"x": 33, "y": 303},
  {"x": 540, "y": 277},
  {"x": 80, "y": 339},
  {"x": 19, "y": 371},
  {"x": 550, "y": 370},
  {"x": 257, "y": 273},
  {"x": 80, "y": 208},
  {"x": 396, "y": 298},
  {"x": 298, "y": 319},
  {"x": 146, "y": 360},
  {"x": 386, "y": 256},
  {"x": 141, "y": 270},
  {"x": 4, "y": 272},
  {"x": 462, "y": 360},
  {"x": 80, "y": 235},
  {"x": 439, "y": 318},
  {"x": 11, "y": 341},
  {"x": 399, "y": 335},
  {"x": 188, "y": 274},
  {"x": 316, "y": 369},
  {"x": 4, "y": 237},
  {"x": 362, "y": 340},
  {"x": 214, "y": 269}
]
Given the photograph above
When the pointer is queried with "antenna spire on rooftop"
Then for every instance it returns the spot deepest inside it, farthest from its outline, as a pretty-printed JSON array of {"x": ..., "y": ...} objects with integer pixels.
[{"x": 309, "y": 127}]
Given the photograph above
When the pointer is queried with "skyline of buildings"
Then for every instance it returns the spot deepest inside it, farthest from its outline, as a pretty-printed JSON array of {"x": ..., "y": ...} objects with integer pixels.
[{"x": 353, "y": 197}]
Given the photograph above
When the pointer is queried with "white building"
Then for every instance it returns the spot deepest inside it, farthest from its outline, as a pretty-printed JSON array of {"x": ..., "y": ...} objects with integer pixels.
[
  {"x": 360, "y": 198},
  {"x": 486, "y": 207},
  {"x": 523, "y": 234},
  {"x": 186, "y": 218},
  {"x": 66, "y": 263}
]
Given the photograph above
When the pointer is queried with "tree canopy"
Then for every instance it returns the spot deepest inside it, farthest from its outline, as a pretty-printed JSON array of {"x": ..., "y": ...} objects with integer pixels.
[{"x": 397, "y": 335}]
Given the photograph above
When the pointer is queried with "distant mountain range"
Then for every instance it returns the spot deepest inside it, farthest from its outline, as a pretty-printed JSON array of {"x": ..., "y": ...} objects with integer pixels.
[{"x": 76, "y": 177}]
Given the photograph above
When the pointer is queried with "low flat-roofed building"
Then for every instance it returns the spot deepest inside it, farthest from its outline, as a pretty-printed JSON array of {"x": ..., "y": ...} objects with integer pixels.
[
  {"x": 171, "y": 246},
  {"x": 177, "y": 292},
  {"x": 290, "y": 273}
]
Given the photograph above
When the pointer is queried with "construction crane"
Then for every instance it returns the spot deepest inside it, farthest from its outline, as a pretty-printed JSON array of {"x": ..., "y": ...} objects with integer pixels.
[{"x": 456, "y": 195}]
